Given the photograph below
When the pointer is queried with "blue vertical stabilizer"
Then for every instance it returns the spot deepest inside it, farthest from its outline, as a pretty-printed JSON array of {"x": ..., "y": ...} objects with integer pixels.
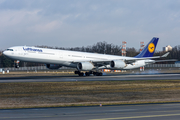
[{"x": 149, "y": 50}]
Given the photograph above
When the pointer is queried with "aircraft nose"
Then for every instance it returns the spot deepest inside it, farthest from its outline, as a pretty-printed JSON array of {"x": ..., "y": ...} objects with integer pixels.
[{"x": 5, "y": 53}]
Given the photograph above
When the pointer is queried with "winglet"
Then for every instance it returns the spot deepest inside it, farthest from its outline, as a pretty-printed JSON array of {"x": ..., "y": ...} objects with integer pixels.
[{"x": 165, "y": 55}]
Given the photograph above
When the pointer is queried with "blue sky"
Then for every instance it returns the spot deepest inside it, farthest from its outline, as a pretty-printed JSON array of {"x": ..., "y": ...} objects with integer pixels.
[{"x": 76, "y": 23}]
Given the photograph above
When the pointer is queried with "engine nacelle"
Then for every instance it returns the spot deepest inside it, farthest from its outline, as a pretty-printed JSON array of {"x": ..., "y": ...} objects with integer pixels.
[
  {"x": 53, "y": 66},
  {"x": 85, "y": 66},
  {"x": 118, "y": 64}
]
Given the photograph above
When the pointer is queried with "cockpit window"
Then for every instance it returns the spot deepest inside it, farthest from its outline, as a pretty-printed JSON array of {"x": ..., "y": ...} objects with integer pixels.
[{"x": 9, "y": 49}]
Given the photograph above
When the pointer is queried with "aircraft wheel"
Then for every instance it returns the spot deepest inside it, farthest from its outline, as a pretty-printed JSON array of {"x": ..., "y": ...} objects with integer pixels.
[
  {"x": 97, "y": 73},
  {"x": 94, "y": 73},
  {"x": 81, "y": 74},
  {"x": 77, "y": 72},
  {"x": 87, "y": 74},
  {"x": 100, "y": 74}
]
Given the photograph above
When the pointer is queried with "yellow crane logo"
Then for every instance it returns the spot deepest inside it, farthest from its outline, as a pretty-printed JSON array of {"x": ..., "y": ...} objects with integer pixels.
[{"x": 151, "y": 47}]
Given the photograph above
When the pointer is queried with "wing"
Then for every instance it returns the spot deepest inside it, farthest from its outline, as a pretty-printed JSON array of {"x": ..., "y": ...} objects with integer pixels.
[{"x": 128, "y": 60}]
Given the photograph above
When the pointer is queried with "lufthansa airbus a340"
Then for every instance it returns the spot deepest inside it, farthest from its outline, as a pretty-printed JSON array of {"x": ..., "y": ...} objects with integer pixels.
[{"x": 85, "y": 63}]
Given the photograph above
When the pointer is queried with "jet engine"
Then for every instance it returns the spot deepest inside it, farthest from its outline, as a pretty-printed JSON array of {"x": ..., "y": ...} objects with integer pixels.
[
  {"x": 85, "y": 66},
  {"x": 118, "y": 64},
  {"x": 53, "y": 66}
]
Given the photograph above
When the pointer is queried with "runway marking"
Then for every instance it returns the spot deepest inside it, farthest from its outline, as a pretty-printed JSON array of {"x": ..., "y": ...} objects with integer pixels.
[{"x": 148, "y": 116}]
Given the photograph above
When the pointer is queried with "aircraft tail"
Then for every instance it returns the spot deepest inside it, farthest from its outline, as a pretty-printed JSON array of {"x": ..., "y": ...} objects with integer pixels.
[{"x": 149, "y": 50}]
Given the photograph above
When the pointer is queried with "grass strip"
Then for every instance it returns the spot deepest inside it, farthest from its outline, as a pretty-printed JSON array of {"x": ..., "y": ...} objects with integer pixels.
[{"x": 87, "y": 93}]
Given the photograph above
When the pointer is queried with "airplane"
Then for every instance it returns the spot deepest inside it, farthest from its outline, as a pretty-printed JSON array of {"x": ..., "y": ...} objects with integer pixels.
[{"x": 85, "y": 63}]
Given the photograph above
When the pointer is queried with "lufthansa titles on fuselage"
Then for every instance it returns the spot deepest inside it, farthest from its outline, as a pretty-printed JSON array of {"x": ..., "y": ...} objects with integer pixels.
[{"x": 32, "y": 49}]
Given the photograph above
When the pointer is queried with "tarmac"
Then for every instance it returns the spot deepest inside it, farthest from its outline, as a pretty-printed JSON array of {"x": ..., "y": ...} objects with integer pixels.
[
  {"x": 107, "y": 77},
  {"x": 143, "y": 111}
]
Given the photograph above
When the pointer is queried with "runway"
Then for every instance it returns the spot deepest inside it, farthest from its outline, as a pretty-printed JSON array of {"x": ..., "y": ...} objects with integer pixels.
[
  {"x": 112, "y": 77},
  {"x": 140, "y": 112}
]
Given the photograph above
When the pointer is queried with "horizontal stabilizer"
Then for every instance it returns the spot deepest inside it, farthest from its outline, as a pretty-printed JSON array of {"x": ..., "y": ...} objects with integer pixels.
[
  {"x": 170, "y": 60},
  {"x": 165, "y": 55}
]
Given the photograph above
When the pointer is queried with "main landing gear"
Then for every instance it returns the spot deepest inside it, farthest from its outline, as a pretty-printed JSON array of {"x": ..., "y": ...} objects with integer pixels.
[{"x": 88, "y": 73}]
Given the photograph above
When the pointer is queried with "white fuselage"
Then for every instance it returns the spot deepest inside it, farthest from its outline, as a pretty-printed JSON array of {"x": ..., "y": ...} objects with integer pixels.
[{"x": 63, "y": 57}]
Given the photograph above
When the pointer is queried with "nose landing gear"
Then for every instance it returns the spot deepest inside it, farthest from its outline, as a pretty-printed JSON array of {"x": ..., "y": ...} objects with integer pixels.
[{"x": 16, "y": 63}]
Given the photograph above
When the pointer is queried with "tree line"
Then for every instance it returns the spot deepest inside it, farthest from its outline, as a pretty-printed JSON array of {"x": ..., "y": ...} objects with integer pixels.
[{"x": 99, "y": 47}]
